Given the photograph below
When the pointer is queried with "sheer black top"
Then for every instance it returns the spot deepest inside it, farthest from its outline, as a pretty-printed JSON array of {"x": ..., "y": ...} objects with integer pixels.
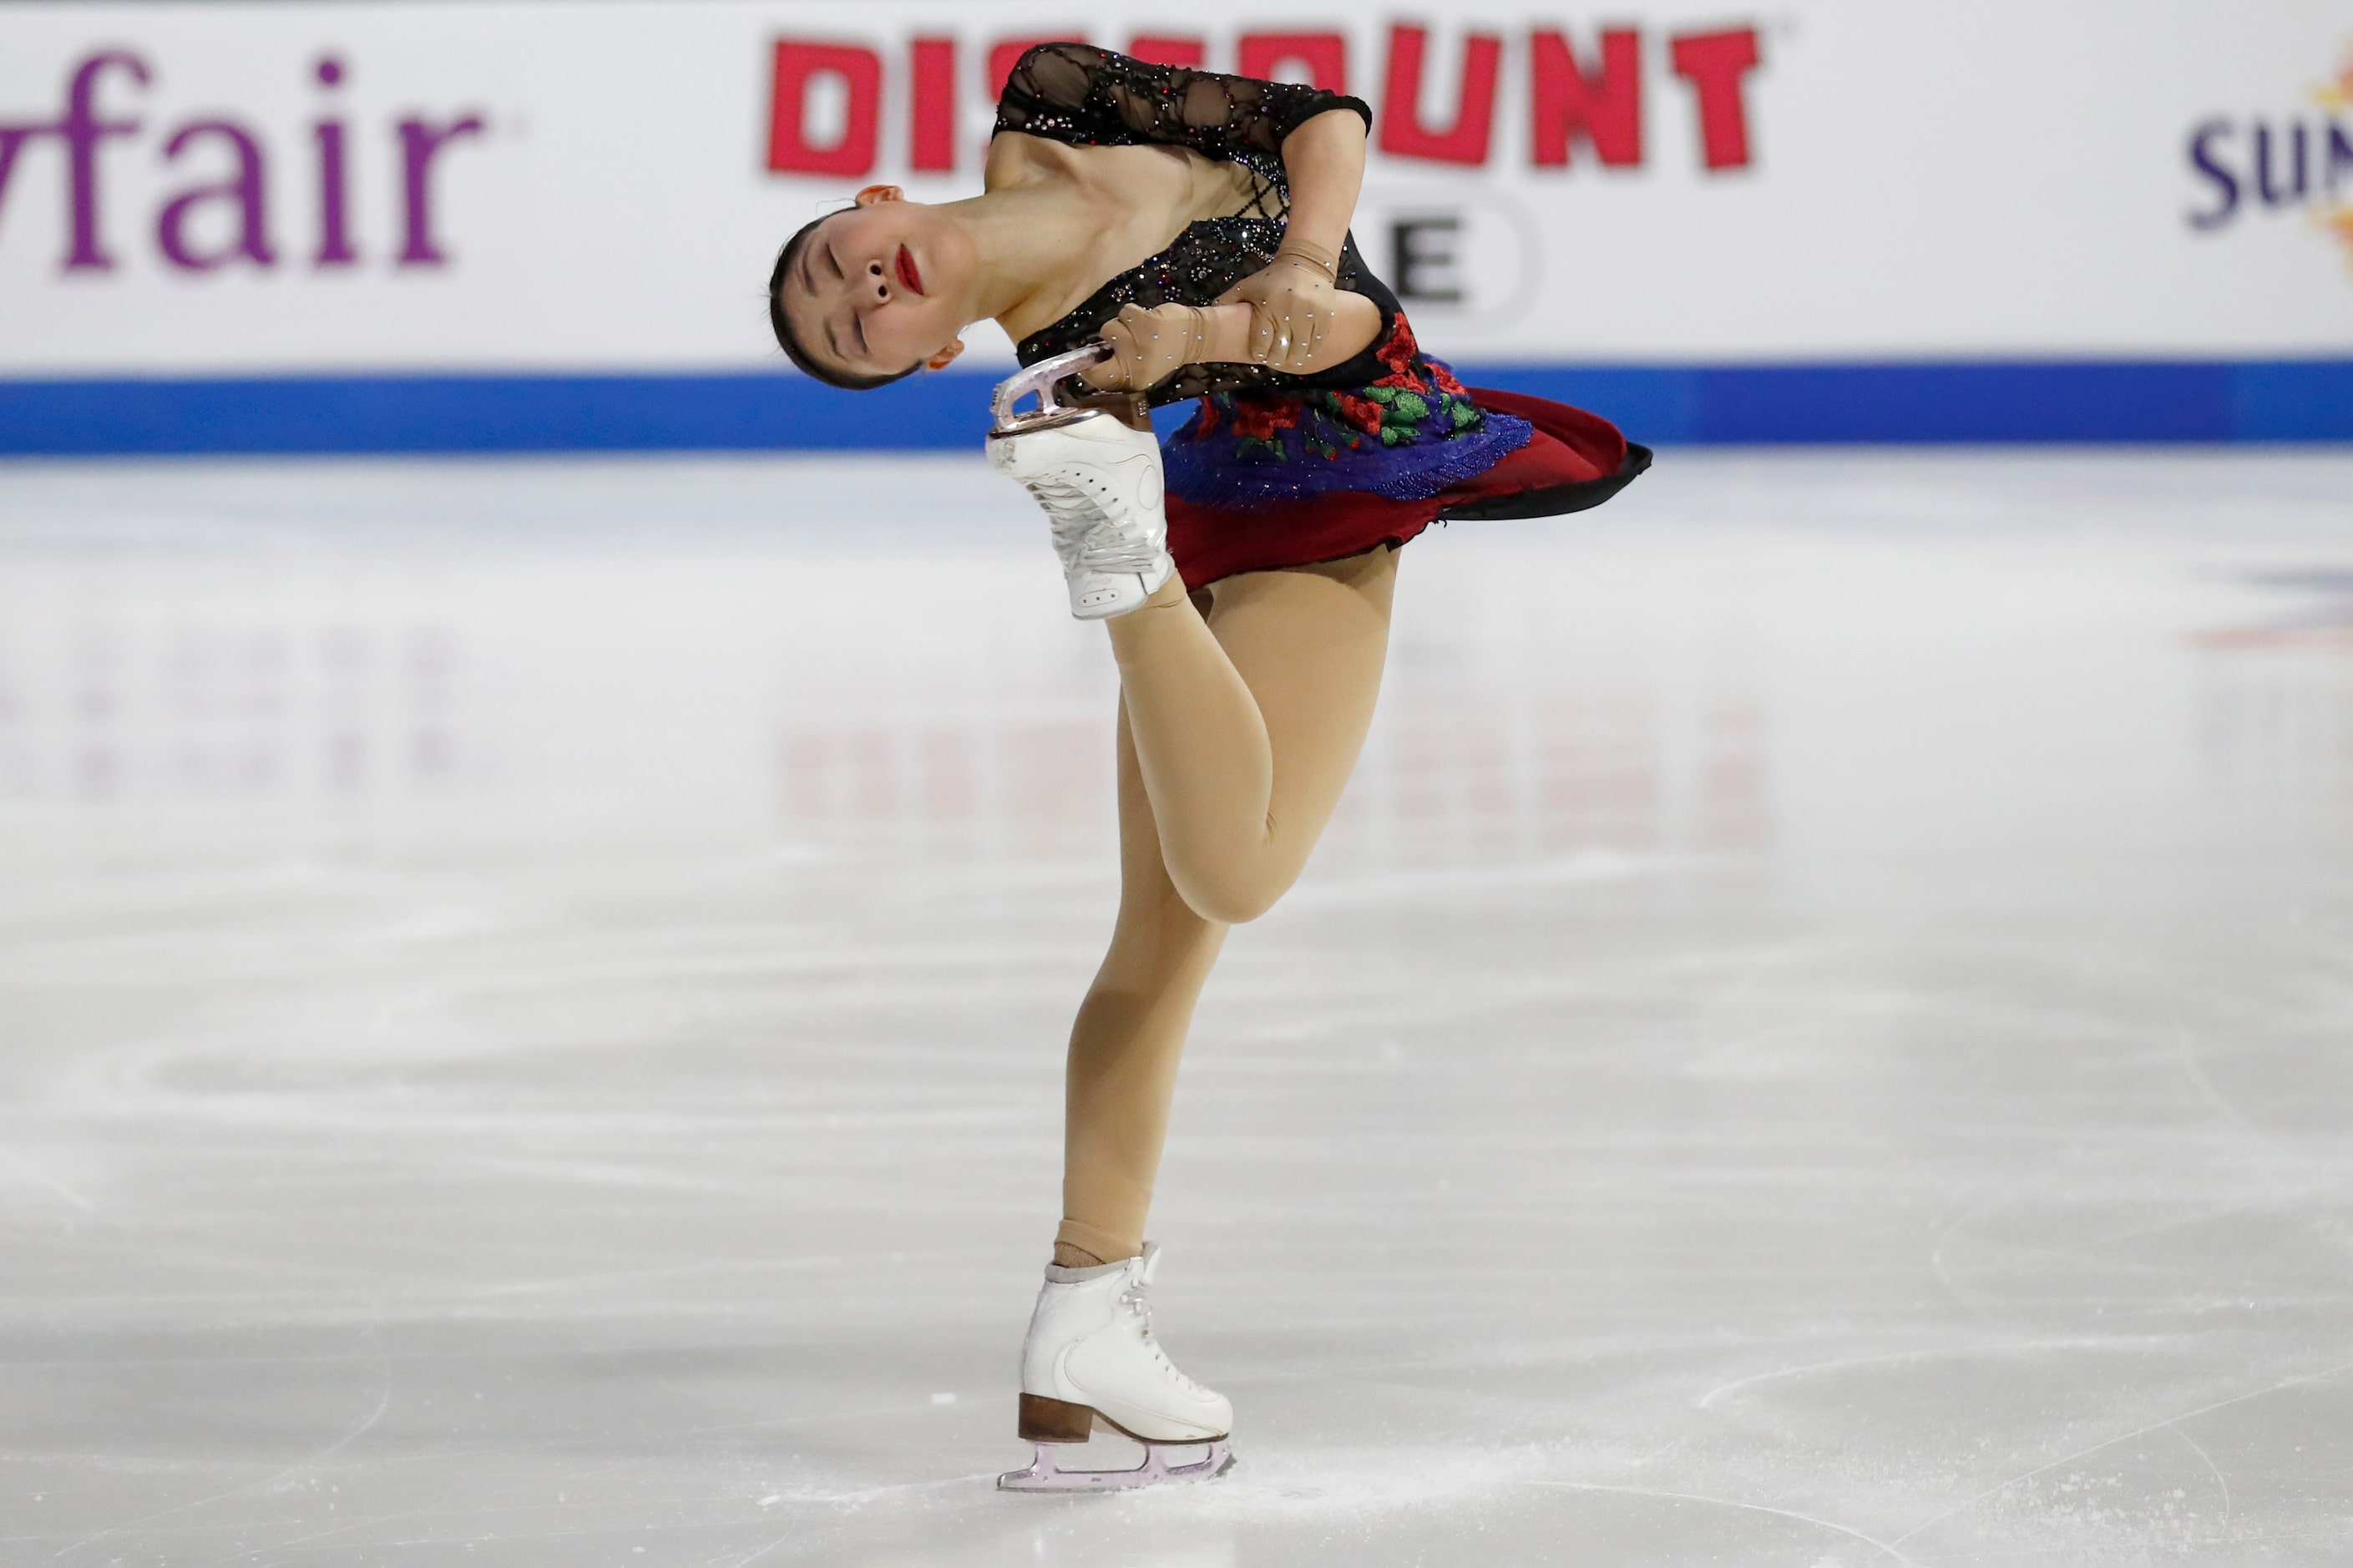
[{"x": 1086, "y": 97}]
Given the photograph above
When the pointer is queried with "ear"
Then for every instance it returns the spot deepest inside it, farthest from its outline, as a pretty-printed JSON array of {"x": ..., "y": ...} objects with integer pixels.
[
  {"x": 873, "y": 194},
  {"x": 946, "y": 356}
]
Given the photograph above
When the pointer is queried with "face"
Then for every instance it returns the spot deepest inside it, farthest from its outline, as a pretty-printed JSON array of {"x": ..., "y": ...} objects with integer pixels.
[{"x": 874, "y": 289}]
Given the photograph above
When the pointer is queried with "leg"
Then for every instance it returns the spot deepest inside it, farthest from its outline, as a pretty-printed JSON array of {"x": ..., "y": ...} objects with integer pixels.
[
  {"x": 1246, "y": 727},
  {"x": 1127, "y": 1038},
  {"x": 1235, "y": 736},
  {"x": 1261, "y": 711}
]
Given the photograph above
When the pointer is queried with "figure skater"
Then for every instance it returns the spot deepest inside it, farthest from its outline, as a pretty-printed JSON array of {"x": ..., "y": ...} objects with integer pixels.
[{"x": 1173, "y": 234}]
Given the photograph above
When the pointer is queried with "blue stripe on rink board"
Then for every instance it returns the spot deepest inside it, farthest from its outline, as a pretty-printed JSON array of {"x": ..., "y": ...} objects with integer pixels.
[
  {"x": 1931, "y": 402},
  {"x": 484, "y": 414},
  {"x": 1957, "y": 402}
]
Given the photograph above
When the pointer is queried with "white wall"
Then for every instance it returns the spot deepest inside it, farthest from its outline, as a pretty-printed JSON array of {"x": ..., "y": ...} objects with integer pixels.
[{"x": 1995, "y": 179}]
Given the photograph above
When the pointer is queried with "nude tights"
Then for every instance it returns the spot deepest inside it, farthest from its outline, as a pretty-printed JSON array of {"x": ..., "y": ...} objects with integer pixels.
[{"x": 1241, "y": 720}]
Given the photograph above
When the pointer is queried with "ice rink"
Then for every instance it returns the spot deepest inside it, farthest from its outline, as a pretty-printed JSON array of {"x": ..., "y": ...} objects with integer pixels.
[{"x": 533, "y": 995}]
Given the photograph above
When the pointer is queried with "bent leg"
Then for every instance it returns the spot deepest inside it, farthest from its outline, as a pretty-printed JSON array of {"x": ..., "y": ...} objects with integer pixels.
[{"x": 1247, "y": 725}]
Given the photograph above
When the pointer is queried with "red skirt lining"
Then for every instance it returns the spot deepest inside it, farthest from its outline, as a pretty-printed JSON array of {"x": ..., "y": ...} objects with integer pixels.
[{"x": 1569, "y": 450}]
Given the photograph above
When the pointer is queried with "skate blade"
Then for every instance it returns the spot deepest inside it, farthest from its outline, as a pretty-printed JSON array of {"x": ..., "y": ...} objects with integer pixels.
[
  {"x": 1044, "y": 1476},
  {"x": 1038, "y": 381}
]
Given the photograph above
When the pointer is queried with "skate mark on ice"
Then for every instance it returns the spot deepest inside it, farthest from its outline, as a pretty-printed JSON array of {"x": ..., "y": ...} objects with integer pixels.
[
  {"x": 1831, "y": 1525},
  {"x": 850, "y": 1499},
  {"x": 48, "y": 1183},
  {"x": 1971, "y": 1211},
  {"x": 1941, "y": 1352},
  {"x": 2186, "y": 1052},
  {"x": 1967, "y": 1503},
  {"x": 488, "y": 1503},
  {"x": 266, "y": 1484},
  {"x": 2199, "y": 1449}
]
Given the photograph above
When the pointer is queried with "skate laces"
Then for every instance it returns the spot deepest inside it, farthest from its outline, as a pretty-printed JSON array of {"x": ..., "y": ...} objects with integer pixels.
[
  {"x": 1135, "y": 1299},
  {"x": 1086, "y": 536}
]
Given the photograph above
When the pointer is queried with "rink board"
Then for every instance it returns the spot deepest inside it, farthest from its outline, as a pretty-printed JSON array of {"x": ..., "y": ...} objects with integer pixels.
[
  {"x": 2283, "y": 400},
  {"x": 545, "y": 225}
]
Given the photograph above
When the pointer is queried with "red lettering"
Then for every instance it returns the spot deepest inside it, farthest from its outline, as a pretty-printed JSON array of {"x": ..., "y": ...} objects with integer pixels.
[
  {"x": 1713, "y": 63},
  {"x": 1325, "y": 55},
  {"x": 1006, "y": 55},
  {"x": 798, "y": 65},
  {"x": 1402, "y": 130},
  {"x": 1170, "y": 51},
  {"x": 931, "y": 134},
  {"x": 1605, "y": 106}
]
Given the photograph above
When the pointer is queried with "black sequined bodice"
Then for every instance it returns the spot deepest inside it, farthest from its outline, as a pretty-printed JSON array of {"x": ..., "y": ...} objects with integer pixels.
[
  {"x": 1092, "y": 98},
  {"x": 1210, "y": 256}
]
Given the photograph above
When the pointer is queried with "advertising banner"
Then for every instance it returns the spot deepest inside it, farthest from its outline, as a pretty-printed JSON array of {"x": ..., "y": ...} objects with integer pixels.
[{"x": 501, "y": 196}]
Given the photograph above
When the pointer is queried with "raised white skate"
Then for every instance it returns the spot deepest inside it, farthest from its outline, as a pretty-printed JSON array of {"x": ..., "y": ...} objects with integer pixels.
[
  {"x": 1099, "y": 481},
  {"x": 1091, "y": 1360}
]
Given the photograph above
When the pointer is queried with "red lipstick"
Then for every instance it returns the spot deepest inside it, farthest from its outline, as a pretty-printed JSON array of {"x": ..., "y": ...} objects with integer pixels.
[{"x": 907, "y": 273}]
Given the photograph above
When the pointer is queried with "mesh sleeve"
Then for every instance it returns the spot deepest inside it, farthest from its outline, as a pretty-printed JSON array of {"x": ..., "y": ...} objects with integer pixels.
[{"x": 1089, "y": 97}]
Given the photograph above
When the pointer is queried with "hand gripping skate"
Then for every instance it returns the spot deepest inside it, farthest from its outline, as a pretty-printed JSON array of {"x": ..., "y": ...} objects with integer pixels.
[
  {"x": 1090, "y": 1361},
  {"x": 1098, "y": 480}
]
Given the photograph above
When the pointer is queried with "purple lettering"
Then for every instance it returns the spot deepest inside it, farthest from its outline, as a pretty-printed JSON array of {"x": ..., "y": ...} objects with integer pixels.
[
  {"x": 334, "y": 234},
  {"x": 246, "y": 190},
  {"x": 2226, "y": 185},
  {"x": 2340, "y": 159},
  {"x": 334, "y": 231},
  {"x": 419, "y": 145},
  {"x": 12, "y": 137},
  {"x": 82, "y": 131},
  {"x": 2263, "y": 188}
]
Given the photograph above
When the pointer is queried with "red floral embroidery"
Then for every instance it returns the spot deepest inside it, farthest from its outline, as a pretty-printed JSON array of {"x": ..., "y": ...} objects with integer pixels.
[
  {"x": 1400, "y": 353},
  {"x": 1260, "y": 417},
  {"x": 1361, "y": 412},
  {"x": 1418, "y": 401}
]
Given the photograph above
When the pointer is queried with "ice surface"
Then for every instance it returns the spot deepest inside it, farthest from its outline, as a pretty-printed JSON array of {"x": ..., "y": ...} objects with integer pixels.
[{"x": 530, "y": 996}]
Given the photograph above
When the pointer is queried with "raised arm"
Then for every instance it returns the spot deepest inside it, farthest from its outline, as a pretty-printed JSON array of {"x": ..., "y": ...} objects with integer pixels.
[
  {"x": 1089, "y": 97},
  {"x": 1295, "y": 316}
]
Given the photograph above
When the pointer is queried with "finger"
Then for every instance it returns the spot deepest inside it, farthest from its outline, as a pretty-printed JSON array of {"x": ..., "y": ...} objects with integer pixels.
[
  {"x": 1287, "y": 342},
  {"x": 1112, "y": 374}
]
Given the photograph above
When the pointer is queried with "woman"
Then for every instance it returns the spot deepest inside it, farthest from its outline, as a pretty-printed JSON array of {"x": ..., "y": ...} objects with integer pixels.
[{"x": 1199, "y": 225}]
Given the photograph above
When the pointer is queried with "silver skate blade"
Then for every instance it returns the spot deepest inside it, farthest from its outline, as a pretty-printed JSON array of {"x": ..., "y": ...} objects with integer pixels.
[
  {"x": 1044, "y": 1476},
  {"x": 1038, "y": 381}
]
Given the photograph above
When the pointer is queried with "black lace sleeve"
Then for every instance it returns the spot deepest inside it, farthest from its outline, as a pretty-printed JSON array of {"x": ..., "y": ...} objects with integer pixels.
[{"x": 1092, "y": 98}]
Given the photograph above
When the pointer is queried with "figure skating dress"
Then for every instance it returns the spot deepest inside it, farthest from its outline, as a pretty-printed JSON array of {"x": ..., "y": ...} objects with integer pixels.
[{"x": 1275, "y": 469}]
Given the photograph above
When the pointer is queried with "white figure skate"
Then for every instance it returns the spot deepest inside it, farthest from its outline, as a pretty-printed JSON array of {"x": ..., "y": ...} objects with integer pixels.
[
  {"x": 1091, "y": 1358},
  {"x": 1099, "y": 481}
]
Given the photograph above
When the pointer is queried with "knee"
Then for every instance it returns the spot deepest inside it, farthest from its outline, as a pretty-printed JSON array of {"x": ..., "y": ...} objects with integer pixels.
[{"x": 1228, "y": 898}]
